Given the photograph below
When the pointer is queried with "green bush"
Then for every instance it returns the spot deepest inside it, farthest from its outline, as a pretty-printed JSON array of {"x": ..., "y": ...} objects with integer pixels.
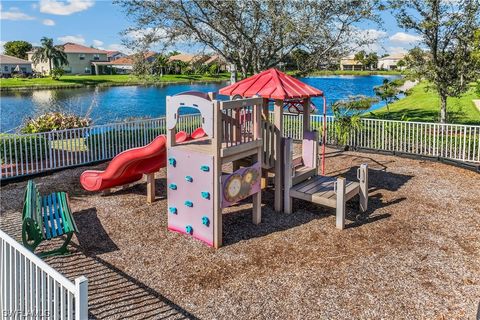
[
  {"x": 15, "y": 147},
  {"x": 477, "y": 89},
  {"x": 54, "y": 121},
  {"x": 57, "y": 73}
]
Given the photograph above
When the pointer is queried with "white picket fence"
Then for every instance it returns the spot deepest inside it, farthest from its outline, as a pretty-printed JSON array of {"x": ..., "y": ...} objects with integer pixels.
[
  {"x": 23, "y": 155},
  {"x": 31, "y": 289}
]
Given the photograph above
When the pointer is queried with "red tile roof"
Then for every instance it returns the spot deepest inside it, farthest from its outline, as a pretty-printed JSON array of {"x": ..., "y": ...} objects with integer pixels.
[
  {"x": 78, "y": 48},
  {"x": 272, "y": 84},
  {"x": 129, "y": 60}
]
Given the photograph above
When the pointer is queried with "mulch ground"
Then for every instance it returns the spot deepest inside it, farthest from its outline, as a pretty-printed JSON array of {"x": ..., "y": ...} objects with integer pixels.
[{"x": 415, "y": 256}]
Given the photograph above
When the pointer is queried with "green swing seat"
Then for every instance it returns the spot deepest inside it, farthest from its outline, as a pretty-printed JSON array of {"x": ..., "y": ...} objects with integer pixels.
[{"x": 45, "y": 218}]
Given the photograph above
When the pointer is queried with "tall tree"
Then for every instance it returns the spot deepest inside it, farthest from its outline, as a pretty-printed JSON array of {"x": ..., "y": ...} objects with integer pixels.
[
  {"x": 361, "y": 57},
  {"x": 447, "y": 31},
  {"x": 254, "y": 34},
  {"x": 17, "y": 48},
  {"x": 48, "y": 52}
]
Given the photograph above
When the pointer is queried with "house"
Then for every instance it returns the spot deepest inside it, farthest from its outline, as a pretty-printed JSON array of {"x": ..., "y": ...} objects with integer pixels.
[
  {"x": 122, "y": 65},
  {"x": 218, "y": 60},
  {"x": 114, "y": 55},
  {"x": 9, "y": 65},
  {"x": 390, "y": 62},
  {"x": 80, "y": 59},
  {"x": 350, "y": 64}
]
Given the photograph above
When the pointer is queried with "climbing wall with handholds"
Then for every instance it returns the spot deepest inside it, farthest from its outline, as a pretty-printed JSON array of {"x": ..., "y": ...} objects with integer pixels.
[{"x": 190, "y": 180}]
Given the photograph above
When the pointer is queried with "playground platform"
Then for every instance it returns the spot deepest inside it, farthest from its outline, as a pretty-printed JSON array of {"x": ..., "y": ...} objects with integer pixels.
[{"x": 415, "y": 254}]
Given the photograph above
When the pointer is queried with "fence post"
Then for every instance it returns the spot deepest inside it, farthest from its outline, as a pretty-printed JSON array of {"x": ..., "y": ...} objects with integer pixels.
[{"x": 81, "y": 298}]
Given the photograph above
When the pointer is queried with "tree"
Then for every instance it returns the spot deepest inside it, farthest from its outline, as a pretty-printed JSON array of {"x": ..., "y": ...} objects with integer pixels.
[
  {"x": 55, "y": 55},
  {"x": 387, "y": 92},
  {"x": 254, "y": 34},
  {"x": 447, "y": 31},
  {"x": 18, "y": 48},
  {"x": 161, "y": 62},
  {"x": 347, "y": 116},
  {"x": 361, "y": 57},
  {"x": 371, "y": 60}
]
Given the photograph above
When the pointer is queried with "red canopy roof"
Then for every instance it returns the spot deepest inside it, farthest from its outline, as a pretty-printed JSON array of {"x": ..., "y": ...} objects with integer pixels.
[{"x": 272, "y": 84}]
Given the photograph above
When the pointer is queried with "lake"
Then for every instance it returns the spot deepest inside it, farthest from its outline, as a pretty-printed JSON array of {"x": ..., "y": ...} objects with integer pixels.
[{"x": 109, "y": 104}]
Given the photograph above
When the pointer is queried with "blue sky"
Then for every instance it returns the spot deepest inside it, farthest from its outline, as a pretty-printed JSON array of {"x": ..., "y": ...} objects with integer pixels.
[{"x": 99, "y": 23}]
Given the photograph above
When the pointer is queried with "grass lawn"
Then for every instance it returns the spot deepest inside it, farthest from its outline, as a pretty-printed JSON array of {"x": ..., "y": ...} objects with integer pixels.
[
  {"x": 422, "y": 105},
  {"x": 88, "y": 80}
]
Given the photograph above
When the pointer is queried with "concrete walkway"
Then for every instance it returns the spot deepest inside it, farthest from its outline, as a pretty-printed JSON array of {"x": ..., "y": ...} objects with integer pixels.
[
  {"x": 408, "y": 85},
  {"x": 477, "y": 104}
]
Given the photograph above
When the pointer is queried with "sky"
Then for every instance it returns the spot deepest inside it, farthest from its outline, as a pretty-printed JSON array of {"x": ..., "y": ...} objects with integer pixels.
[{"x": 99, "y": 23}]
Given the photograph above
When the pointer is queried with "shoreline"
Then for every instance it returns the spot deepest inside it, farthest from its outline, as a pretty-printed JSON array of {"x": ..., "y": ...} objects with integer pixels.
[
  {"x": 222, "y": 78},
  {"x": 104, "y": 85}
]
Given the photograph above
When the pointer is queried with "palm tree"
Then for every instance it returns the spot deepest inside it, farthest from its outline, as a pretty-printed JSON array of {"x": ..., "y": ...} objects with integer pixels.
[
  {"x": 51, "y": 53},
  {"x": 161, "y": 62}
]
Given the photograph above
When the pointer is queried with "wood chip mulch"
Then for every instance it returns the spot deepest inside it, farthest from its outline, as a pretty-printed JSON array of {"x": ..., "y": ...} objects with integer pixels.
[{"x": 416, "y": 255}]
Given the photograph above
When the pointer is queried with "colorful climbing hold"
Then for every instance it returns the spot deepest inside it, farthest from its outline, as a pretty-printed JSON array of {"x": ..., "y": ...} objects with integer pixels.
[
  {"x": 188, "y": 178},
  {"x": 205, "y": 221},
  {"x": 189, "y": 229},
  {"x": 172, "y": 186},
  {"x": 189, "y": 203},
  {"x": 173, "y": 210},
  {"x": 205, "y": 195},
  {"x": 172, "y": 161},
  {"x": 205, "y": 168}
]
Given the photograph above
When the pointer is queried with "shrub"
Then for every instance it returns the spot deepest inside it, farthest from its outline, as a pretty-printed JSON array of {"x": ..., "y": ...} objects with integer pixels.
[
  {"x": 15, "y": 147},
  {"x": 57, "y": 73},
  {"x": 477, "y": 89},
  {"x": 54, "y": 121}
]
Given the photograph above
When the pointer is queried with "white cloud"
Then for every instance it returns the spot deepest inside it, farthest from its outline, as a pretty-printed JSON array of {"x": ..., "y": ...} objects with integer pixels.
[
  {"x": 65, "y": 8},
  {"x": 374, "y": 38},
  {"x": 14, "y": 14},
  {"x": 1, "y": 46},
  {"x": 395, "y": 50},
  {"x": 139, "y": 34},
  {"x": 97, "y": 43},
  {"x": 404, "y": 38},
  {"x": 118, "y": 47},
  {"x": 79, "y": 39},
  {"x": 48, "y": 22}
]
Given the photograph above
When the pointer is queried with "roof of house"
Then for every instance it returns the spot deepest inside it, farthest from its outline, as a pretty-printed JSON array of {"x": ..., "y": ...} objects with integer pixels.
[
  {"x": 272, "y": 84},
  {"x": 393, "y": 56},
  {"x": 185, "y": 57},
  {"x": 214, "y": 59},
  {"x": 113, "y": 52},
  {"x": 70, "y": 47},
  {"x": 4, "y": 59},
  {"x": 129, "y": 59},
  {"x": 350, "y": 60}
]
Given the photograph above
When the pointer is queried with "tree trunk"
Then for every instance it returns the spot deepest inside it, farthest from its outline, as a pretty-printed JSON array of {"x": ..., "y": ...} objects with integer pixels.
[
  {"x": 50, "y": 65},
  {"x": 443, "y": 108}
]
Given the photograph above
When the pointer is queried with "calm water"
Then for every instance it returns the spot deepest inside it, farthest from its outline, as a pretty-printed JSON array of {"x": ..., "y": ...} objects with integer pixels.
[{"x": 111, "y": 104}]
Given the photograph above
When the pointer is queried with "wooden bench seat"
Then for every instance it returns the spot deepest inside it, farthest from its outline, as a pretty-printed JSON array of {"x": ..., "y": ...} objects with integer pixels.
[
  {"x": 321, "y": 190},
  {"x": 45, "y": 218}
]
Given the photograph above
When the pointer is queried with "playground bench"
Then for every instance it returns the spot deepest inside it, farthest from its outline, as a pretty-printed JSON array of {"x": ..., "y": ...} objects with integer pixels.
[{"x": 45, "y": 218}]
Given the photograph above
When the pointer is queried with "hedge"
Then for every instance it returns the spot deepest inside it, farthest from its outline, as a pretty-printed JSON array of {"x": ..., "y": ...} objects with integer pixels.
[{"x": 16, "y": 147}]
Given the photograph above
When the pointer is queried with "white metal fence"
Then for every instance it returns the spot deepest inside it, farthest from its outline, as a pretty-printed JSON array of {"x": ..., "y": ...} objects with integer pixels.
[
  {"x": 31, "y": 289},
  {"x": 26, "y": 154}
]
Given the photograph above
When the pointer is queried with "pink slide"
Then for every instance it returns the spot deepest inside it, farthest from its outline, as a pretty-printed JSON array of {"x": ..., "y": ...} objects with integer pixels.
[{"x": 130, "y": 165}]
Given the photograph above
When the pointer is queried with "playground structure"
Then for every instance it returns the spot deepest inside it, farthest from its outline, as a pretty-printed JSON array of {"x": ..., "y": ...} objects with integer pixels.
[
  {"x": 198, "y": 189},
  {"x": 238, "y": 132}
]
